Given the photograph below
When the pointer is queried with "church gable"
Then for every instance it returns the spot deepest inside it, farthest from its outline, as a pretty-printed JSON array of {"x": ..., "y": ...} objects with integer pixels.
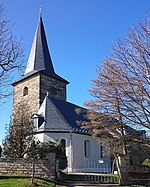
[
  {"x": 53, "y": 119},
  {"x": 61, "y": 115}
]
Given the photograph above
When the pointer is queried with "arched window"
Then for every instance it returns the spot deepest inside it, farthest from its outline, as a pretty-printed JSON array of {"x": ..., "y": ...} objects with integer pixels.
[
  {"x": 25, "y": 91},
  {"x": 63, "y": 144},
  {"x": 87, "y": 148},
  {"x": 101, "y": 151}
]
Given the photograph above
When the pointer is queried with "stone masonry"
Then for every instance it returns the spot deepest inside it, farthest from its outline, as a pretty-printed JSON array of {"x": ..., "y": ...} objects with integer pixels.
[
  {"x": 43, "y": 167},
  {"x": 38, "y": 85},
  {"x": 32, "y": 99},
  {"x": 55, "y": 88}
]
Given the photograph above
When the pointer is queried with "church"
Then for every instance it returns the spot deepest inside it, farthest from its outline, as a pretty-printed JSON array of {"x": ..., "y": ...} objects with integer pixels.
[{"x": 56, "y": 119}]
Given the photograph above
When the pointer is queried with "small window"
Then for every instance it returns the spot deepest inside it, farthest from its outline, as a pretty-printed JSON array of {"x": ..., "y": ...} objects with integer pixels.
[
  {"x": 40, "y": 121},
  {"x": 87, "y": 148},
  {"x": 25, "y": 91}
]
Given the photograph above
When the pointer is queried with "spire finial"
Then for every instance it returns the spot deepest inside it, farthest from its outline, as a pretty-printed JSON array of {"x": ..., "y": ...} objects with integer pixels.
[{"x": 41, "y": 10}]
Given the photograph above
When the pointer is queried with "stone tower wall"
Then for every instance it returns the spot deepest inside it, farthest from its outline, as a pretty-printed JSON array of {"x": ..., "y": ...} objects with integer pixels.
[
  {"x": 32, "y": 98},
  {"x": 54, "y": 87},
  {"x": 38, "y": 85}
]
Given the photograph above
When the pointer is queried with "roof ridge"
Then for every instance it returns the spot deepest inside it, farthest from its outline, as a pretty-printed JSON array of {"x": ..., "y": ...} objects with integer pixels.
[{"x": 68, "y": 102}]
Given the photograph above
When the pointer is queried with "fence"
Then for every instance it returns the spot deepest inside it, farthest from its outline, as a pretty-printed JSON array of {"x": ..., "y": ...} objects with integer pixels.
[
  {"x": 100, "y": 171},
  {"x": 101, "y": 166}
]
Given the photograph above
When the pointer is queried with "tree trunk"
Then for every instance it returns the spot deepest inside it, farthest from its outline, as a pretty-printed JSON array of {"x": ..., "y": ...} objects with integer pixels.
[
  {"x": 33, "y": 170},
  {"x": 118, "y": 168}
]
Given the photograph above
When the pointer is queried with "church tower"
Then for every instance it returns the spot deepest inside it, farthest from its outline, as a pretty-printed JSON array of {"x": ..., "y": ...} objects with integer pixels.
[{"x": 39, "y": 77}]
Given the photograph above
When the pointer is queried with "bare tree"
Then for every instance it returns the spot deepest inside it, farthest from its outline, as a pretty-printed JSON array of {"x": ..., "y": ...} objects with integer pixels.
[
  {"x": 122, "y": 87},
  {"x": 130, "y": 65},
  {"x": 122, "y": 92},
  {"x": 11, "y": 54}
]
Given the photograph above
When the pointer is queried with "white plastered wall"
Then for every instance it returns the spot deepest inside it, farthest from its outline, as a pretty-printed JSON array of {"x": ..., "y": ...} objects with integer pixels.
[{"x": 77, "y": 162}]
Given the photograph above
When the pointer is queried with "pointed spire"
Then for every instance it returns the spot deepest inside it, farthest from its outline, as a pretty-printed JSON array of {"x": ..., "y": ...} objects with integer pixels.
[{"x": 39, "y": 58}]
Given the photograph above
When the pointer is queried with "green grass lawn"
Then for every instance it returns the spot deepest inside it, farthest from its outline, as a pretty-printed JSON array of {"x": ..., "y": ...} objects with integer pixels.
[
  {"x": 21, "y": 181},
  {"x": 135, "y": 186}
]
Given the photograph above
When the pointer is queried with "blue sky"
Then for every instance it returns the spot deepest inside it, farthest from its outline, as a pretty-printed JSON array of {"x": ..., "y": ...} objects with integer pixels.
[{"x": 79, "y": 34}]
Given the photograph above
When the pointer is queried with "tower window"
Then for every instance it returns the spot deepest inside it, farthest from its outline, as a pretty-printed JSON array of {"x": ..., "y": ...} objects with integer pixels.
[{"x": 25, "y": 91}]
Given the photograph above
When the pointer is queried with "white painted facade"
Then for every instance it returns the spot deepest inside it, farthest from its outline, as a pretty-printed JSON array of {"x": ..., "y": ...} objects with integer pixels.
[
  {"x": 75, "y": 151},
  {"x": 84, "y": 153}
]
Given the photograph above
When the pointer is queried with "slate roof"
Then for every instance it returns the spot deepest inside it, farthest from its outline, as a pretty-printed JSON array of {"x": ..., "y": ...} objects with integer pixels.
[
  {"x": 67, "y": 109},
  {"x": 40, "y": 59},
  {"x": 71, "y": 118},
  {"x": 61, "y": 115}
]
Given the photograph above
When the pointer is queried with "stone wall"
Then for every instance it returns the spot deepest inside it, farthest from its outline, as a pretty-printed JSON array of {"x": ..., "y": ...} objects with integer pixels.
[
  {"x": 32, "y": 98},
  {"x": 139, "y": 153},
  {"x": 54, "y": 87},
  {"x": 43, "y": 167},
  {"x": 38, "y": 85}
]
